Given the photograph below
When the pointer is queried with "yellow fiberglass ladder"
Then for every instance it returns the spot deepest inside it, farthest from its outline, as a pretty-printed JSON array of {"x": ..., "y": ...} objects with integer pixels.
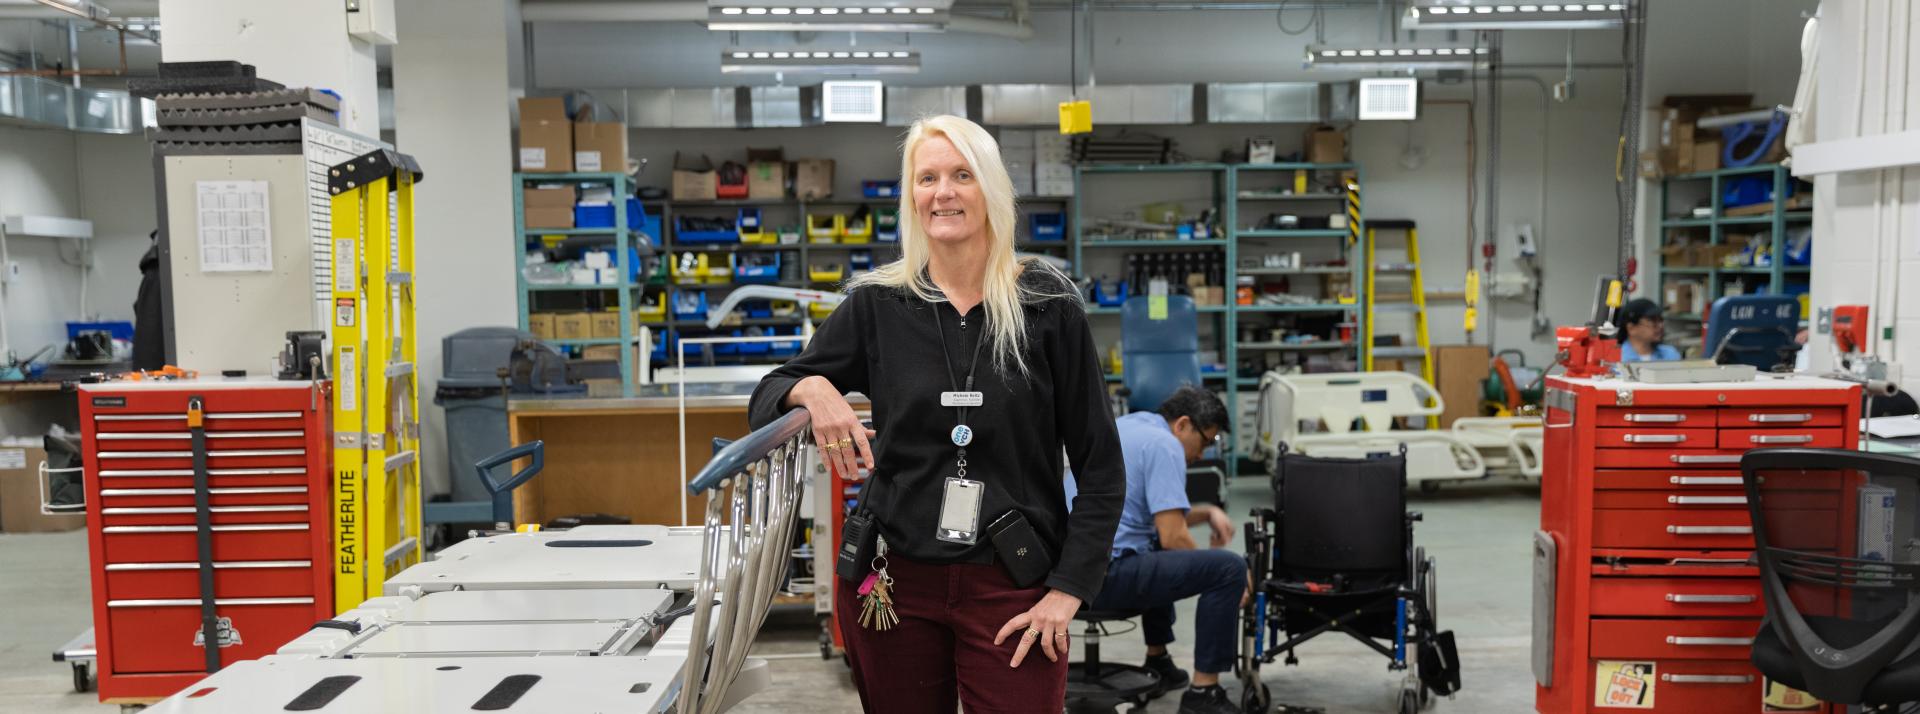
[{"x": 376, "y": 400}]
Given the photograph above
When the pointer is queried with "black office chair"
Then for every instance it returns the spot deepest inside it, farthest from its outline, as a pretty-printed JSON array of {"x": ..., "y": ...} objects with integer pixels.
[
  {"x": 1336, "y": 554},
  {"x": 1096, "y": 686},
  {"x": 1839, "y": 558}
]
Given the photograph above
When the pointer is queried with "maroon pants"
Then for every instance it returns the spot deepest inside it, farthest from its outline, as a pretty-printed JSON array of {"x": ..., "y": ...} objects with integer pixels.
[{"x": 942, "y": 651}]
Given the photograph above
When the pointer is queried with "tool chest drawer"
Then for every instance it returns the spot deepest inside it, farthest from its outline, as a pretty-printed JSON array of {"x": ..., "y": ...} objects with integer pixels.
[
  {"x": 146, "y": 544},
  {"x": 1767, "y": 417},
  {"x": 1676, "y": 686},
  {"x": 1807, "y": 437},
  {"x": 1690, "y": 480},
  {"x": 161, "y": 635},
  {"x": 285, "y": 578},
  {"x": 1667, "y": 458},
  {"x": 1655, "y": 438},
  {"x": 1669, "y": 417},
  {"x": 1723, "y": 528},
  {"x": 1673, "y": 639},
  {"x": 1677, "y": 597},
  {"x": 1674, "y": 499}
]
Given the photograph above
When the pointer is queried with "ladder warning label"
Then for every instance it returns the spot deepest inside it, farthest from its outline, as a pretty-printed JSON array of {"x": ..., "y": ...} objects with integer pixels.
[
  {"x": 347, "y": 380},
  {"x": 344, "y": 312}
]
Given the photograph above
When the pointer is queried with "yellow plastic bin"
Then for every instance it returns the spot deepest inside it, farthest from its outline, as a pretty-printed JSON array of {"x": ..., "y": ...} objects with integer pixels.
[
  {"x": 829, "y": 273},
  {"x": 824, "y": 229},
  {"x": 719, "y": 269},
  {"x": 819, "y": 311},
  {"x": 861, "y": 232},
  {"x": 688, "y": 271}
]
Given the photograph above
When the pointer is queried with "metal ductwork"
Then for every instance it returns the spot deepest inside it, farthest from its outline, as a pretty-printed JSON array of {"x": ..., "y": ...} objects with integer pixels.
[
  {"x": 1018, "y": 27},
  {"x": 42, "y": 103}
]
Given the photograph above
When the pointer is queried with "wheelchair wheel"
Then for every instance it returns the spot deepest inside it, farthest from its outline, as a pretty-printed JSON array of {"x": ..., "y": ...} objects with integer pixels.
[
  {"x": 1430, "y": 583},
  {"x": 1256, "y": 700}
]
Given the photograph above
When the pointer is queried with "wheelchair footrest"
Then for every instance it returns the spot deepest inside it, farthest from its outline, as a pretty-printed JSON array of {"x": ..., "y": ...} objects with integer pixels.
[{"x": 1116, "y": 683}]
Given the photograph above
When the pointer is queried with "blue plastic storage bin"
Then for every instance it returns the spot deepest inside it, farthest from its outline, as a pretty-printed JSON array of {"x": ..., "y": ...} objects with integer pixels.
[
  {"x": 645, "y": 220},
  {"x": 115, "y": 329},
  {"x": 1049, "y": 226},
  {"x": 726, "y": 349},
  {"x": 756, "y": 349},
  {"x": 758, "y": 268},
  {"x": 784, "y": 349},
  {"x": 689, "y": 305},
  {"x": 683, "y": 236},
  {"x": 586, "y": 215},
  {"x": 880, "y": 189}
]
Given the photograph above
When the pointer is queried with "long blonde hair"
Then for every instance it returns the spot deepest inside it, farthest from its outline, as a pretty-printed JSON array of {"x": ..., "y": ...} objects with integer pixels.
[{"x": 1004, "y": 292}]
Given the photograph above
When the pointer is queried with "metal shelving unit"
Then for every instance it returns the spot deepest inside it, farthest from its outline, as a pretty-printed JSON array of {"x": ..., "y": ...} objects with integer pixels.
[
  {"x": 1777, "y": 221},
  {"x": 623, "y": 240}
]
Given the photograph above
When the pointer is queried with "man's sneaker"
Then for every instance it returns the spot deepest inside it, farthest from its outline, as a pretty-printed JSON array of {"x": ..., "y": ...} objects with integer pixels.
[
  {"x": 1207, "y": 700},
  {"x": 1172, "y": 678}
]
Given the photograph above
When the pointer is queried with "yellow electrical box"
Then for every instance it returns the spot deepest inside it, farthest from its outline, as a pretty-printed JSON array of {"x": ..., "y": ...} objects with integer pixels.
[{"x": 1076, "y": 117}]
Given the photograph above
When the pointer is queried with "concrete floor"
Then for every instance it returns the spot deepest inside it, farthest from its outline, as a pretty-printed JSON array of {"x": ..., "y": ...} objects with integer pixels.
[{"x": 1479, "y": 534}]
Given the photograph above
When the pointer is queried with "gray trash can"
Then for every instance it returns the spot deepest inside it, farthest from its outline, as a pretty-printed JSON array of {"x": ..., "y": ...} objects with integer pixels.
[{"x": 475, "y": 403}]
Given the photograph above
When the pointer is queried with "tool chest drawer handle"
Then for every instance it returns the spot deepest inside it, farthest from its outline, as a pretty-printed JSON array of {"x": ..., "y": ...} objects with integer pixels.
[
  {"x": 1707, "y": 500},
  {"x": 1704, "y": 480},
  {"x": 224, "y": 602},
  {"x": 1710, "y": 530},
  {"x": 1656, "y": 418},
  {"x": 1709, "y": 641},
  {"x": 1782, "y": 439},
  {"x": 1800, "y": 418},
  {"x": 1683, "y": 598},
  {"x": 1707, "y": 678},
  {"x": 1655, "y": 438},
  {"x": 1712, "y": 459}
]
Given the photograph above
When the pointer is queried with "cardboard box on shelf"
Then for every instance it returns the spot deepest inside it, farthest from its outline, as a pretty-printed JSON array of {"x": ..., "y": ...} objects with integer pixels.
[
  {"x": 546, "y": 137},
  {"x": 602, "y": 387},
  {"x": 1460, "y": 373},
  {"x": 694, "y": 178},
  {"x": 1679, "y": 256},
  {"x": 600, "y": 146},
  {"x": 1706, "y": 154},
  {"x": 606, "y": 325},
  {"x": 601, "y": 352},
  {"x": 541, "y": 325},
  {"x": 813, "y": 178},
  {"x": 548, "y": 207},
  {"x": 766, "y": 173},
  {"x": 20, "y": 495},
  {"x": 1715, "y": 256},
  {"x": 1326, "y": 145},
  {"x": 572, "y": 326}
]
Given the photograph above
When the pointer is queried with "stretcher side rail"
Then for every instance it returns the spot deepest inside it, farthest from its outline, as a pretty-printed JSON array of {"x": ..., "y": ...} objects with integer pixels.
[{"x": 743, "y": 556}]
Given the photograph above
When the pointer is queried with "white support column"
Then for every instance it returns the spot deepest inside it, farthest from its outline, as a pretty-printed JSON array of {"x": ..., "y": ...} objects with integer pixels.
[
  {"x": 451, "y": 103},
  {"x": 298, "y": 44}
]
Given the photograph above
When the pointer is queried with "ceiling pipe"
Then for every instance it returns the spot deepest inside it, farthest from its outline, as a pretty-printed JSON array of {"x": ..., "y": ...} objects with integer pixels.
[{"x": 1018, "y": 28}]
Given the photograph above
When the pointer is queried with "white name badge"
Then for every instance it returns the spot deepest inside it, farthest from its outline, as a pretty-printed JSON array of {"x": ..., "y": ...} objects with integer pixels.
[{"x": 961, "y": 399}]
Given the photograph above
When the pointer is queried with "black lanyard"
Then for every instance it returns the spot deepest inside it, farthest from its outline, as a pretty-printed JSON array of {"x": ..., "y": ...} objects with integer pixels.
[{"x": 947, "y": 357}]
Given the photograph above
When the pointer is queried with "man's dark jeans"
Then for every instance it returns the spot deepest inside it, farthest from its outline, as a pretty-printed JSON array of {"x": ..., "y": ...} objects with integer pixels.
[{"x": 1153, "y": 581}]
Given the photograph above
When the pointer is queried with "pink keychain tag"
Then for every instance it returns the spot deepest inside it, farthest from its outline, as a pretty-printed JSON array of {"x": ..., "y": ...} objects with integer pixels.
[{"x": 866, "y": 586}]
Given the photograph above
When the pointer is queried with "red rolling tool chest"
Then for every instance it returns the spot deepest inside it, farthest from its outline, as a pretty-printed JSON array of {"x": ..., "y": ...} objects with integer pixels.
[
  {"x": 196, "y": 486},
  {"x": 1643, "y": 597}
]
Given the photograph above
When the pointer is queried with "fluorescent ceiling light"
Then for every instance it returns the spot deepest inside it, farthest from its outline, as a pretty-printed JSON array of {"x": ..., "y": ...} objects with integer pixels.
[
  {"x": 862, "y": 61},
  {"x": 1485, "y": 15},
  {"x": 829, "y": 15},
  {"x": 1398, "y": 58}
]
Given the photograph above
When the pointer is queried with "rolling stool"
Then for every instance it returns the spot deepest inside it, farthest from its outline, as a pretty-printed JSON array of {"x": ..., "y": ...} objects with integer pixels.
[{"x": 1096, "y": 686}]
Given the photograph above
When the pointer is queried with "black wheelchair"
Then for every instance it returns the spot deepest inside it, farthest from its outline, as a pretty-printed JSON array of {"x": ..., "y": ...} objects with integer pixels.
[{"x": 1336, "y": 554}]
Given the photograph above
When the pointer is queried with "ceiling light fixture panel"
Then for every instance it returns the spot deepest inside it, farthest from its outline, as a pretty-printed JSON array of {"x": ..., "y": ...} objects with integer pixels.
[
  {"x": 867, "y": 61},
  {"x": 829, "y": 15},
  {"x": 1495, "y": 15},
  {"x": 1398, "y": 58}
]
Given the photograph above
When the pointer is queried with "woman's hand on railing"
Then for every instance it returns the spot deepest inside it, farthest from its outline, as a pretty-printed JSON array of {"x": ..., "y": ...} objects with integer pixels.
[{"x": 844, "y": 443}]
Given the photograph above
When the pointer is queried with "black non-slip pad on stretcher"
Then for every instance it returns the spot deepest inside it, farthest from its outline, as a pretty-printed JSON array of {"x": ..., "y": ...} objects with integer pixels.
[{"x": 321, "y": 694}]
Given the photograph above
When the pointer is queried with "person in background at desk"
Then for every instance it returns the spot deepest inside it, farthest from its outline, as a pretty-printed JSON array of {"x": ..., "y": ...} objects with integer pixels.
[
  {"x": 1155, "y": 559},
  {"x": 1641, "y": 330}
]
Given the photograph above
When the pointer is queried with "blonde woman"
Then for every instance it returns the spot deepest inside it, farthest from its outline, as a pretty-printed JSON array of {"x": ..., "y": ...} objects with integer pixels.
[{"x": 980, "y": 368}]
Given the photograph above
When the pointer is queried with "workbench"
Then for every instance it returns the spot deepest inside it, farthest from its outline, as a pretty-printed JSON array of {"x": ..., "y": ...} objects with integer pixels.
[{"x": 618, "y": 456}]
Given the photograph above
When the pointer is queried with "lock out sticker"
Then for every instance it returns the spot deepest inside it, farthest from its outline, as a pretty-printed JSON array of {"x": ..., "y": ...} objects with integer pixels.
[{"x": 1623, "y": 685}]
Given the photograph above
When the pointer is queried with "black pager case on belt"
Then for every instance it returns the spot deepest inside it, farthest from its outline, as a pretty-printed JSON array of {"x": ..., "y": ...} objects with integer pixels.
[{"x": 1020, "y": 549}]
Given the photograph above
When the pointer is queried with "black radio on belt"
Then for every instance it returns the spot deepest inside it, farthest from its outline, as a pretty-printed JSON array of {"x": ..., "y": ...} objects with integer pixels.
[{"x": 859, "y": 539}]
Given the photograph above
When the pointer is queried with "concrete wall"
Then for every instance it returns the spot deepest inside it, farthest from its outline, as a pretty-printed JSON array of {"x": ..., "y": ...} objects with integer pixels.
[
  {"x": 1866, "y": 248},
  {"x": 451, "y": 61}
]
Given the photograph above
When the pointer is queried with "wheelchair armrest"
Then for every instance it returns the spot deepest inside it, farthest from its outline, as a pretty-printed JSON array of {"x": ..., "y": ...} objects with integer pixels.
[{"x": 1415, "y": 517}]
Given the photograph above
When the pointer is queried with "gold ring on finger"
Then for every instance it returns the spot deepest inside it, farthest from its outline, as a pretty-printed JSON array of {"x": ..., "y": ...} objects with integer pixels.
[
  {"x": 1033, "y": 634},
  {"x": 845, "y": 441},
  {"x": 830, "y": 446},
  {"x": 1059, "y": 635}
]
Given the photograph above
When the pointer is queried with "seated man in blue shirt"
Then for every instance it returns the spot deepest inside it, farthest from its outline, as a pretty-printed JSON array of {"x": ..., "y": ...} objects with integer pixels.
[
  {"x": 1642, "y": 328},
  {"x": 1155, "y": 559}
]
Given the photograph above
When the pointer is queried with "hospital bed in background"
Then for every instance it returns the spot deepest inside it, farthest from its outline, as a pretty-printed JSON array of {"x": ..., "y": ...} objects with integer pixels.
[{"x": 1354, "y": 415}]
